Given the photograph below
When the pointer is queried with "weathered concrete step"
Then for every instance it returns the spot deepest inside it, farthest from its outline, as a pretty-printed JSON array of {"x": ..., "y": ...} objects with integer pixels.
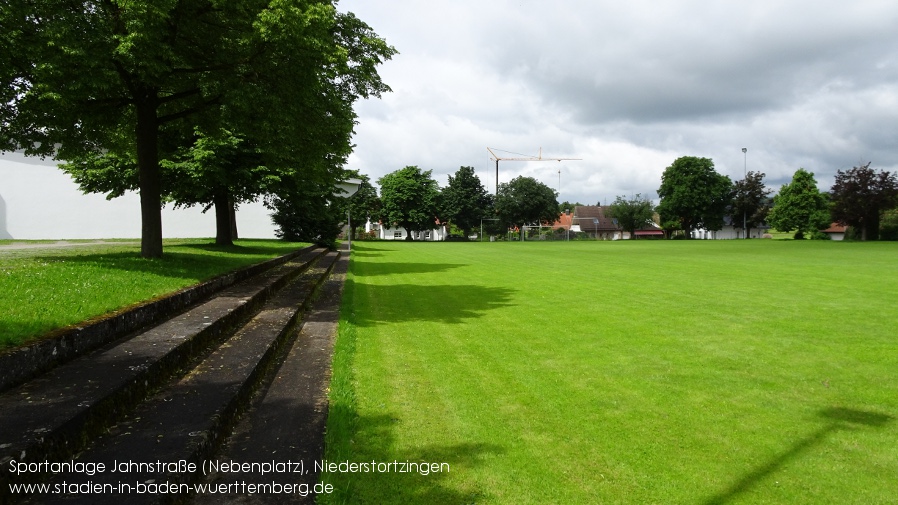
[
  {"x": 287, "y": 420},
  {"x": 52, "y": 417},
  {"x": 26, "y": 362},
  {"x": 187, "y": 421}
]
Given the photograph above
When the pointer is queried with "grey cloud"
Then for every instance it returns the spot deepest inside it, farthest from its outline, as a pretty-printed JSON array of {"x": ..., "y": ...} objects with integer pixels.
[
  {"x": 632, "y": 85},
  {"x": 677, "y": 75}
]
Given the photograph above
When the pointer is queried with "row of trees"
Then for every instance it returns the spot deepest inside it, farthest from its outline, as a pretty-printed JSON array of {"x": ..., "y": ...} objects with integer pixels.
[
  {"x": 411, "y": 199},
  {"x": 859, "y": 198},
  {"x": 194, "y": 102},
  {"x": 693, "y": 195}
]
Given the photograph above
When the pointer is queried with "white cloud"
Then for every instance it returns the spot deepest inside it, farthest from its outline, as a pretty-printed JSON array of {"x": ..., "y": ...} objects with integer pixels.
[{"x": 630, "y": 86}]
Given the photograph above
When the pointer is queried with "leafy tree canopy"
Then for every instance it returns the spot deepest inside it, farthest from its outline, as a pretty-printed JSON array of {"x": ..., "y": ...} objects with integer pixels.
[
  {"x": 800, "y": 206},
  {"x": 409, "y": 199},
  {"x": 568, "y": 207},
  {"x": 364, "y": 204},
  {"x": 465, "y": 201},
  {"x": 693, "y": 195},
  {"x": 751, "y": 201},
  {"x": 860, "y": 196},
  {"x": 306, "y": 212},
  {"x": 631, "y": 214},
  {"x": 118, "y": 85},
  {"x": 524, "y": 200}
]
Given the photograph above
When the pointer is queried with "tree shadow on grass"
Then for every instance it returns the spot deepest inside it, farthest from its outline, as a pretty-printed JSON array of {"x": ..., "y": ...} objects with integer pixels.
[
  {"x": 174, "y": 264},
  {"x": 357, "y": 247},
  {"x": 14, "y": 332},
  {"x": 444, "y": 303},
  {"x": 394, "y": 268},
  {"x": 238, "y": 248},
  {"x": 837, "y": 418},
  {"x": 437, "y": 482},
  {"x": 366, "y": 254},
  {"x": 142, "y": 278}
]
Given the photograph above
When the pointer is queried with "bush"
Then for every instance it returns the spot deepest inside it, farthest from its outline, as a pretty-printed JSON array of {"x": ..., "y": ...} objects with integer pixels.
[
  {"x": 306, "y": 218},
  {"x": 888, "y": 226},
  {"x": 367, "y": 236}
]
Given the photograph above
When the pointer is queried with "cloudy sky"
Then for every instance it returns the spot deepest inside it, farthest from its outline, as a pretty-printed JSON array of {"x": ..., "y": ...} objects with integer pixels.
[{"x": 629, "y": 87}]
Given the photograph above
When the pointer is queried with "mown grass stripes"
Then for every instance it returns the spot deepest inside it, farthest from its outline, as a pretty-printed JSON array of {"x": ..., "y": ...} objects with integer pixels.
[{"x": 642, "y": 372}]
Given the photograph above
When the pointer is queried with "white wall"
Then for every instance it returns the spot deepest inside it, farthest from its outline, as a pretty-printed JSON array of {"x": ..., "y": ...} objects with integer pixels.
[{"x": 40, "y": 201}]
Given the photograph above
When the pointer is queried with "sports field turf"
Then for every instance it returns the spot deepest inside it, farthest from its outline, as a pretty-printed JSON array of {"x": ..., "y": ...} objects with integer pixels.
[{"x": 618, "y": 372}]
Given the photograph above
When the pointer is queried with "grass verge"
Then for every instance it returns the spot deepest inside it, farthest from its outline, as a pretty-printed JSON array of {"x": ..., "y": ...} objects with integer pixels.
[
  {"x": 48, "y": 288},
  {"x": 626, "y": 372}
]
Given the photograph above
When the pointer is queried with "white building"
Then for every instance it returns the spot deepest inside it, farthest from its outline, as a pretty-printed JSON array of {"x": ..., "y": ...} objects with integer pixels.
[
  {"x": 438, "y": 233},
  {"x": 729, "y": 231}
]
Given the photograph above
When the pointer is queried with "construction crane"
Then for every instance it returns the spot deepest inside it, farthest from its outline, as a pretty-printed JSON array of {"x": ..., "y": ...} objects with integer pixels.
[{"x": 539, "y": 157}]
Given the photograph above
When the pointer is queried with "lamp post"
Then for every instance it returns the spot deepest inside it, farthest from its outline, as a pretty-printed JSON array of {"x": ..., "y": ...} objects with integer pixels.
[
  {"x": 744, "y": 187},
  {"x": 346, "y": 189}
]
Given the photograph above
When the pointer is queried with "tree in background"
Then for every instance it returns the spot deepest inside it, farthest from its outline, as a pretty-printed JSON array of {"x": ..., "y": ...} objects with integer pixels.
[
  {"x": 309, "y": 209},
  {"x": 860, "y": 196},
  {"x": 693, "y": 195},
  {"x": 800, "y": 206},
  {"x": 751, "y": 202},
  {"x": 631, "y": 214},
  {"x": 364, "y": 205},
  {"x": 465, "y": 202},
  {"x": 307, "y": 213},
  {"x": 218, "y": 172},
  {"x": 888, "y": 225},
  {"x": 524, "y": 200},
  {"x": 409, "y": 199},
  {"x": 568, "y": 207},
  {"x": 100, "y": 83}
]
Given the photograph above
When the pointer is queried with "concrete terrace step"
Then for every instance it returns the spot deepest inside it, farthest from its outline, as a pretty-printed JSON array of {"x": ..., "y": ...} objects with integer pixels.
[
  {"x": 189, "y": 420},
  {"x": 54, "y": 416},
  {"x": 286, "y": 422},
  {"x": 21, "y": 364}
]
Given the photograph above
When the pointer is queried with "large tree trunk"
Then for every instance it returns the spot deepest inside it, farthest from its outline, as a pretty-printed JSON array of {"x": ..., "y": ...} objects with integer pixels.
[
  {"x": 233, "y": 213},
  {"x": 147, "y": 133},
  {"x": 870, "y": 226},
  {"x": 222, "y": 217}
]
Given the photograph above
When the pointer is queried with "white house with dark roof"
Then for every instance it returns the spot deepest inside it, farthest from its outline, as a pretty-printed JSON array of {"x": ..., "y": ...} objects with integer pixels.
[{"x": 437, "y": 234}]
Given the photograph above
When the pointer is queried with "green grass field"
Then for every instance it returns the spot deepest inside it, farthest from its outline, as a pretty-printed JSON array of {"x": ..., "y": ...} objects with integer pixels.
[
  {"x": 44, "y": 289},
  {"x": 702, "y": 372}
]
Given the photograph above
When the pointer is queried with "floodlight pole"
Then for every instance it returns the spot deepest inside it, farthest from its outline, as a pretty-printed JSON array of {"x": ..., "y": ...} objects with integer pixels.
[
  {"x": 744, "y": 187},
  {"x": 497, "y": 177}
]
